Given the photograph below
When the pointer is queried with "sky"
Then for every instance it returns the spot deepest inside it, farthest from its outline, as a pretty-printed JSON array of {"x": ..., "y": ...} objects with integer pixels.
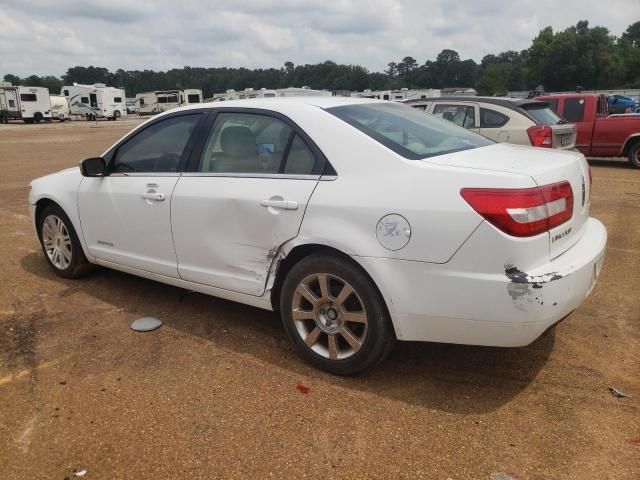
[{"x": 45, "y": 37}]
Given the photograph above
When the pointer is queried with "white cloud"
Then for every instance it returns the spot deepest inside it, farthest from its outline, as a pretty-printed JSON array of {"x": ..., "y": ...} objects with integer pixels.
[{"x": 44, "y": 37}]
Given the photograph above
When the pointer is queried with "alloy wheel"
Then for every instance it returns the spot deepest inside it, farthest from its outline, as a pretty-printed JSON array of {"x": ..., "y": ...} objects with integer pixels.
[
  {"x": 329, "y": 316},
  {"x": 57, "y": 242}
]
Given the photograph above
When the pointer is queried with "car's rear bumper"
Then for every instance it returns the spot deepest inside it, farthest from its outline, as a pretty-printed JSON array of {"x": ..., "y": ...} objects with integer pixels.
[{"x": 447, "y": 303}]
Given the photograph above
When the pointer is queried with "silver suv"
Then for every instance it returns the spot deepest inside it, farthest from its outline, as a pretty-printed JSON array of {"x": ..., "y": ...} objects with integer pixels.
[{"x": 511, "y": 120}]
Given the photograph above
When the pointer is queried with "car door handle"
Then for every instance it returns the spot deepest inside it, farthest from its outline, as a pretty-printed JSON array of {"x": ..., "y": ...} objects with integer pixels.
[
  {"x": 157, "y": 197},
  {"x": 283, "y": 204}
]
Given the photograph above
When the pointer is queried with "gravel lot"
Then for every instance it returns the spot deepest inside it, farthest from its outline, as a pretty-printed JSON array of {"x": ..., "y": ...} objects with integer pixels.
[{"x": 212, "y": 394}]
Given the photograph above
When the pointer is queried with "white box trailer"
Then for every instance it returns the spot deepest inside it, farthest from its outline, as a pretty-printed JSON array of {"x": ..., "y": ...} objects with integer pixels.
[
  {"x": 150, "y": 103},
  {"x": 59, "y": 108},
  {"x": 95, "y": 101},
  {"x": 31, "y": 104}
]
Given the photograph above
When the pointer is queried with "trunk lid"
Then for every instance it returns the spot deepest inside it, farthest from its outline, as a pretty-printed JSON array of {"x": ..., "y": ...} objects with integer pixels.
[
  {"x": 563, "y": 136},
  {"x": 544, "y": 166}
]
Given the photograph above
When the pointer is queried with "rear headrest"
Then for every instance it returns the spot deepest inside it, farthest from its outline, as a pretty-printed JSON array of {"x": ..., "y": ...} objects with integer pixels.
[
  {"x": 238, "y": 141},
  {"x": 447, "y": 116}
]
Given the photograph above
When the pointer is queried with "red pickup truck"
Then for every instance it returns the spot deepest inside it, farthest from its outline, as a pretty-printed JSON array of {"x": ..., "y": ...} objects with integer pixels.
[{"x": 599, "y": 134}]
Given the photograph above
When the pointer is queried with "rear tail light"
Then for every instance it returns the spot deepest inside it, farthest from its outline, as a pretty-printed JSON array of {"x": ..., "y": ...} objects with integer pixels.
[
  {"x": 540, "y": 136},
  {"x": 523, "y": 212}
]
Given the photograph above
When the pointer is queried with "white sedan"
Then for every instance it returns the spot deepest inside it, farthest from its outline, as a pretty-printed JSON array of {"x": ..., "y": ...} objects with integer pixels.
[{"x": 363, "y": 222}]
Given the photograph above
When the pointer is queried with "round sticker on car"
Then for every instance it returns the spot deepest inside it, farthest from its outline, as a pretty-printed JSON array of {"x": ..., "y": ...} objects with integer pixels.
[{"x": 393, "y": 231}]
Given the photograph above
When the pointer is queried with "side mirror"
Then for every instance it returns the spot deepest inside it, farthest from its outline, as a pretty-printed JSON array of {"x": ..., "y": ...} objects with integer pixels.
[{"x": 93, "y": 167}]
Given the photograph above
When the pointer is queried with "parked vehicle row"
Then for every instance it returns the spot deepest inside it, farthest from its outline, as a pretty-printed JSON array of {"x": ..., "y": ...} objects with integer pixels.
[
  {"x": 362, "y": 221},
  {"x": 518, "y": 121},
  {"x": 599, "y": 134}
]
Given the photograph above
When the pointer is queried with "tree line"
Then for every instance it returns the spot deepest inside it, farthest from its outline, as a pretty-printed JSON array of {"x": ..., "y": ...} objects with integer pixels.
[{"x": 579, "y": 56}]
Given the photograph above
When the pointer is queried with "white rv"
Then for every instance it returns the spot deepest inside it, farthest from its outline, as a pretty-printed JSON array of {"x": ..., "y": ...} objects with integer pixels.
[
  {"x": 150, "y": 103},
  {"x": 59, "y": 107},
  {"x": 192, "y": 96},
  {"x": 31, "y": 104},
  {"x": 95, "y": 101}
]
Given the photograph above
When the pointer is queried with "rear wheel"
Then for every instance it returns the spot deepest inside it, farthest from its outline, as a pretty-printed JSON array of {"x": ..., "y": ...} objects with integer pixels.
[
  {"x": 37, "y": 117},
  {"x": 634, "y": 155},
  {"x": 60, "y": 244},
  {"x": 335, "y": 316},
  {"x": 116, "y": 115}
]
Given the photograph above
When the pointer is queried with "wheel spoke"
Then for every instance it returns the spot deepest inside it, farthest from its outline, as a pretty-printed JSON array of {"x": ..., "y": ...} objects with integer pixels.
[
  {"x": 356, "y": 317},
  {"x": 66, "y": 254},
  {"x": 306, "y": 292},
  {"x": 333, "y": 346},
  {"x": 351, "y": 339},
  {"x": 324, "y": 286},
  {"x": 344, "y": 294},
  {"x": 312, "y": 338},
  {"x": 298, "y": 314}
]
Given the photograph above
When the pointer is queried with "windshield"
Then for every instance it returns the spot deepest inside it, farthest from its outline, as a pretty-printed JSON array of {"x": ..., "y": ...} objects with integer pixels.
[
  {"x": 407, "y": 131},
  {"x": 544, "y": 115}
]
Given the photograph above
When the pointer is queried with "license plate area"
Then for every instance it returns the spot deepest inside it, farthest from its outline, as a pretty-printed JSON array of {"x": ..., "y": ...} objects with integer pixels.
[{"x": 565, "y": 139}]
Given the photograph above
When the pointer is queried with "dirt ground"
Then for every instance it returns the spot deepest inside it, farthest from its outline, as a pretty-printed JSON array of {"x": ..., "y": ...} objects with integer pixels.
[{"x": 212, "y": 393}]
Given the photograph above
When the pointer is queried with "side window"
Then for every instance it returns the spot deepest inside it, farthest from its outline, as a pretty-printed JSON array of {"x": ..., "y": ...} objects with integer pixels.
[
  {"x": 245, "y": 143},
  {"x": 492, "y": 119},
  {"x": 157, "y": 148},
  {"x": 28, "y": 97},
  {"x": 12, "y": 103},
  {"x": 84, "y": 99},
  {"x": 574, "y": 109},
  {"x": 117, "y": 99},
  {"x": 461, "y": 115},
  {"x": 141, "y": 101},
  {"x": 300, "y": 160},
  {"x": 553, "y": 105},
  {"x": 66, "y": 93}
]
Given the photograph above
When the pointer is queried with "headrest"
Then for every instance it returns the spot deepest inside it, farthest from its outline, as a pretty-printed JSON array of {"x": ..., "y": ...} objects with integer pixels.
[{"x": 238, "y": 141}]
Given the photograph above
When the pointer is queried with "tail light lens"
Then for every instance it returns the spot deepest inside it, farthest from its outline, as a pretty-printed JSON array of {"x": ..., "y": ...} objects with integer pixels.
[
  {"x": 540, "y": 136},
  {"x": 523, "y": 212}
]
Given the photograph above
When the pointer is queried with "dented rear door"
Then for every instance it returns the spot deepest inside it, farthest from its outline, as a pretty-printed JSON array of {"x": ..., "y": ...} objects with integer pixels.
[{"x": 248, "y": 198}]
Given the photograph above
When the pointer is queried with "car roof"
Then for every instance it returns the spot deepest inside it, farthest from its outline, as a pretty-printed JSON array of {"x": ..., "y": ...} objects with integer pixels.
[
  {"x": 507, "y": 102},
  {"x": 273, "y": 102}
]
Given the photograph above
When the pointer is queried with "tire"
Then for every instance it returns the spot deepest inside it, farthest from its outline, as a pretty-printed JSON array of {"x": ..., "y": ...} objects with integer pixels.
[
  {"x": 325, "y": 325},
  {"x": 60, "y": 244},
  {"x": 634, "y": 155},
  {"x": 116, "y": 115},
  {"x": 37, "y": 117}
]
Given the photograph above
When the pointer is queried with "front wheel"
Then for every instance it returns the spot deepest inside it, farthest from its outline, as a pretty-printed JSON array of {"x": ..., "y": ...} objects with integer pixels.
[
  {"x": 60, "y": 244},
  {"x": 335, "y": 316},
  {"x": 634, "y": 155}
]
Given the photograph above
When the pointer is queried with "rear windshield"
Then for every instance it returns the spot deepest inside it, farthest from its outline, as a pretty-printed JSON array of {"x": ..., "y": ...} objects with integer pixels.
[
  {"x": 407, "y": 131},
  {"x": 544, "y": 115}
]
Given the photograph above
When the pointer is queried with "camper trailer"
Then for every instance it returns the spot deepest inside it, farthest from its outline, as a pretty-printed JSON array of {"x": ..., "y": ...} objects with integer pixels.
[
  {"x": 192, "y": 96},
  {"x": 31, "y": 104},
  {"x": 95, "y": 101},
  {"x": 59, "y": 107},
  {"x": 150, "y": 103}
]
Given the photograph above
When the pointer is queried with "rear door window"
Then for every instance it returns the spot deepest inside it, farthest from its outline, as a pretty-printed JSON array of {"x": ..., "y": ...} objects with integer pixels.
[
  {"x": 461, "y": 115},
  {"x": 574, "y": 109},
  {"x": 492, "y": 119}
]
